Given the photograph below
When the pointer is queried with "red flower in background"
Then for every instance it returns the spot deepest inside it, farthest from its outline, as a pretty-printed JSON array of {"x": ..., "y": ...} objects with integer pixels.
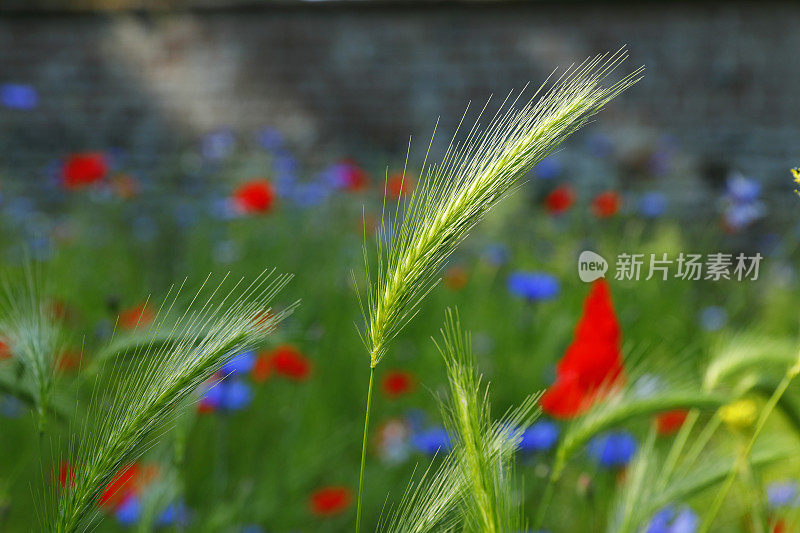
[
  {"x": 284, "y": 360},
  {"x": 593, "y": 361},
  {"x": 330, "y": 501},
  {"x": 399, "y": 185},
  {"x": 121, "y": 485},
  {"x": 262, "y": 370},
  {"x": 671, "y": 421},
  {"x": 352, "y": 177},
  {"x": 139, "y": 316},
  {"x": 606, "y": 204},
  {"x": 397, "y": 383},
  {"x": 559, "y": 200},
  {"x": 83, "y": 169},
  {"x": 5, "y": 351},
  {"x": 62, "y": 474},
  {"x": 264, "y": 320},
  {"x": 455, "y": 278},
  {"x": 69, "y": 360},
  {"x": 59, "y": 310},
  {"x": 255, "y": 196}
]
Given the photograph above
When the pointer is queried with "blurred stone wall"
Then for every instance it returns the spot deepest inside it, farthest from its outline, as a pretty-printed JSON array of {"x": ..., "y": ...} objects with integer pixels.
[{"x": 723, "y": 79}]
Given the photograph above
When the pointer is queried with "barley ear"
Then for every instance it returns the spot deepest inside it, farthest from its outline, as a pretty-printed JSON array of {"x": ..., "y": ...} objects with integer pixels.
[
  {"x": 157, "y": 382},
  {"x": 29, "y": 325},
  {"x": 473, "y": 177}
]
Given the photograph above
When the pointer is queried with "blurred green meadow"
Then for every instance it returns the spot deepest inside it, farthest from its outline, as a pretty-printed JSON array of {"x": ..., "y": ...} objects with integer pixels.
[{"x": 275, "y": 446}]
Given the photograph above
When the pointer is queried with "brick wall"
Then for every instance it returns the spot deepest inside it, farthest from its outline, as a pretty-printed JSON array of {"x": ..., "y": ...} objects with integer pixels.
[{"x": 722, "y": 78}]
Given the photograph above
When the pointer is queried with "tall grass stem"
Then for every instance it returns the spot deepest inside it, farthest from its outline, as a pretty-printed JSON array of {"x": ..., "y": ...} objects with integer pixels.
[{"x": 364, "y": 450}]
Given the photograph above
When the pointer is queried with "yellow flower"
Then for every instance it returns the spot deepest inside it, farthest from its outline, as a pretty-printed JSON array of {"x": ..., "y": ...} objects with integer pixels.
[
  {"x": 740, "y": 414},
  {"x": 796, "y": 174}
]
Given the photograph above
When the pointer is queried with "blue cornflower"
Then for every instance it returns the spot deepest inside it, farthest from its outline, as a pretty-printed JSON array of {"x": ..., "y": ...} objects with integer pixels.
[
  {"x": 212, "y": 397},
  {"x": 548, "y": 168},
  {"x": 496, "y": 254},
  {"x": 285, "y": 185},
  {"x": 431, "y": 440},
  {"x": 667, "y": 520},
  {"x": 11, "y": 407},
  {"x": 223, "y": 209},
  {"x": 738, "y": 216},
  {"x": 20, "y": 209},
  {"x": 269, "y": 138},
  {"x": 600, "y": 145},
  {"x": 652, "y": 204},
  {"x": 613, "y": 449},
  {"x": 713, "y": 318},
  {"x": 783, "y": 493},
  {"x": 533, "y": 285},
  {"x": 128, "y": 512},
  {"x": 541, "y": 436},
  {"x": 236, "y": 395},
  {"x": 174, "y": 513},
  {"x": 226, "y": 395},
  {"x": 285, "y": 164},
  {"x": 218, "y": 144},
  {"x": 310, "y": 194},
  {"x": 18, "y": 96},
  {"x": 240, "y": 364},
  {"x": 742, "y": 189}
]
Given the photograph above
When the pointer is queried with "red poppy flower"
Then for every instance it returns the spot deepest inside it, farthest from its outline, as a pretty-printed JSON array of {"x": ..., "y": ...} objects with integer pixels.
[
  {"x": 606, "y": 204},
  {"x": 121, "y": 485},
  {"x": 69, "y": 360},
  {"x": 455, "y": 278},
  {"x": 592, "y": 363},
  {"x": 559, "y": 200},
  {"x": 60, "y": 310},
  {"x": 255, "y": 196},
  {"x": 396, "y": 383},
  {"x": 398, "y": 185},
  {"x": 352, "y": 177},
  {"x": 288, "y": 362},
  {"x": 62, "y": 474},
  {"x": 264, "y": 320},
  {"x": 671, "y": 421},
  {"x": 330, "y": 501},
  {"x": 5, "y": 351},
  {"x": 205, "y": 407},
  {"x": 83, "y": 169},
  {"x": 139, "y": 316},
  {"x": 262, "y": 370}
]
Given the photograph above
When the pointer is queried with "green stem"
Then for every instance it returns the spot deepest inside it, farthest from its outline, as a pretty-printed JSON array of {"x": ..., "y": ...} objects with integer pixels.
[
  {"x": 547, "y": 496},
  {"x": 677, "y": 448},
  {"x": 741, "y": 460},
  {"x": 364, "y": 450}
]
